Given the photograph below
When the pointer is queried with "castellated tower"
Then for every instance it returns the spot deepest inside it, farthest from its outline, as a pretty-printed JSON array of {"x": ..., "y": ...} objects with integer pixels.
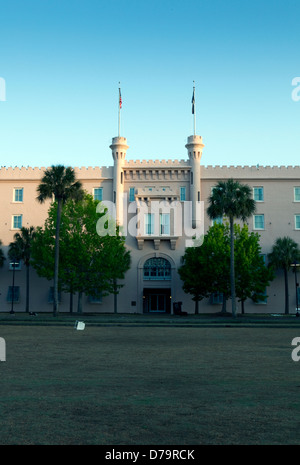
[
  {"x": 194, "y": 147},
  {"x": 119, "y": 147}
]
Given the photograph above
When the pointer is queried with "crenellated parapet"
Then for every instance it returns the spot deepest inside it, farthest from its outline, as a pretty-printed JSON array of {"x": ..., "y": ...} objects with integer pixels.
[
  {"x": 97, "y": 172},
  {"x": 156, "y": 163},
  {"x": 250, "y": 172},
  {"x": 160, "y": 170},
  {"x": 21, "y": 173},
  {"x": 35, "y": 173}
]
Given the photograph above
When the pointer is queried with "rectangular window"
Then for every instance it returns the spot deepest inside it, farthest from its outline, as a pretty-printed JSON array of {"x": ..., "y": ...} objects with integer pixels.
[
  {"x": 262, "y": 299},
  {"x": 182, "y": 194},
  {"x": 131, "y": 194},
  {"x": 164, "y": 224},
  {"x": 18, "y": 194},
  {"x": 13, "y": 294},
  {"x": 149, "y": 223},
  {"x": 259, "y": 222},
  {"x": 296, "y": 194},
  {"x": 157, "y": 269},
  {"x": 96, "y": 298},
  {"x": 297, "y": 221},
  {"x": 17, "y": 222},
  {"x": 98, "y": 193},
  {"x": 216, "y": 298},
  {"x": 258, "y": 194}
]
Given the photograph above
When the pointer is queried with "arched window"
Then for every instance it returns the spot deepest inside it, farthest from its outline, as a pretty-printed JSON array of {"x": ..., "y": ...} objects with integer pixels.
[{"x": 157, "y": 269}]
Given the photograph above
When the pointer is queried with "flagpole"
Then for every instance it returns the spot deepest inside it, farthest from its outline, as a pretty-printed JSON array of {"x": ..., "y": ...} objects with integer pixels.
[
  {"x": 119, "y": 125},
  {"x": 194, "y": 109}
]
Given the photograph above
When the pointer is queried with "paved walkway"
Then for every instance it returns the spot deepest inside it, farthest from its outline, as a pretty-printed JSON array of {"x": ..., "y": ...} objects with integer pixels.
[{"x": 154, "y": 320}]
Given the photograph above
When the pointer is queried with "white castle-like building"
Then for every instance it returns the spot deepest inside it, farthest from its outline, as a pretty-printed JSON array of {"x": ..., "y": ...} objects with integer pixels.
[{"x": 179, "y": 189}]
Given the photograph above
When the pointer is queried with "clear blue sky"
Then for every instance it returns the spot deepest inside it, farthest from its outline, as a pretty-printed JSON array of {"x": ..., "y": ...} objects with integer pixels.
[{"x": 62, "y": 61}]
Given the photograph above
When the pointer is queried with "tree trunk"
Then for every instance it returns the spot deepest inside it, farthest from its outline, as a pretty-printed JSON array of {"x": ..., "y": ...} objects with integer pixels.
[
  {"x": 115, "y": 303},
  {"x": 115, "y": 297},
  {"x": 79, "y": 304},
  {"x": 286, "y": 285},
  {"x": 224, "y": 304},
  {"x": 56, "y": 262},
  {"x": 232, "y": 274},
  {"x": 71, "y": 302},
  {"x": 197, "y": 307},
  {"x": 27, "y": 288},
  {"x": 243, "y": 307}
]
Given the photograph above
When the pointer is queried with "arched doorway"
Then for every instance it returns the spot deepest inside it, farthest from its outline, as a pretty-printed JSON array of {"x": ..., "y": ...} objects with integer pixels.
[{"x": 156, "y": 276}]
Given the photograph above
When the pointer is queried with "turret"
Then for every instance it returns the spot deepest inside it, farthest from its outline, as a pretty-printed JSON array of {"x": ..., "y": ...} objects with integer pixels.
[
  {"x": 119, "y": 147},
  {"x": 194, "y": 147}
]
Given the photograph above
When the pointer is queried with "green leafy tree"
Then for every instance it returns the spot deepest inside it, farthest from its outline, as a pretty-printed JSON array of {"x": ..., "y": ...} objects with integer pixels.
[
  {"x": 58, "y": 182},
  {"x": 20, "y": 249},
  {"x": 233, "y": 200},
  {"x": 285, "y": 252},
  {"x": 89, "y": 263},
  {"x": 43, "y": 251},
  {"x": 193, "y": 274},
  {"x": 252, "y": 274},
  {"x": 205, "y": 268},
  {"x": 217, "y": 246},
  {"x": 93, "y": 264}
]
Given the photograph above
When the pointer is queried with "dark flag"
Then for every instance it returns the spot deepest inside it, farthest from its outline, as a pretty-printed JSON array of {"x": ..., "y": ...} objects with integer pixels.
[{"x": 193, "y": 102}]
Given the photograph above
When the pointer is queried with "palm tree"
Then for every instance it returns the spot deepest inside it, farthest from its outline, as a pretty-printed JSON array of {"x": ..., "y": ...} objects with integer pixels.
[
  {"x": 2, "y": 257},
  {"x": 58, "y": 182},
  {"x": 21, "y": 250},
  {"x": 285, "y": 252},
  {"x": 233, "y": 200}
]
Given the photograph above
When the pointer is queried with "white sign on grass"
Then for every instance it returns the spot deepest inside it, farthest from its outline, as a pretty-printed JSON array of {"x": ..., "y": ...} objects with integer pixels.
[{"x": 2, "y": 350}]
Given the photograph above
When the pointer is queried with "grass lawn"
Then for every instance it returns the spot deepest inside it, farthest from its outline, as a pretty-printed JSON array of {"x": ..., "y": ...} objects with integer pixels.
[{"x": 149, "y": 385}]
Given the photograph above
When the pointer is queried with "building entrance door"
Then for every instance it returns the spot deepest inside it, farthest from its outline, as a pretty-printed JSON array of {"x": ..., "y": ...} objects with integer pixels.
[
  {"x": 157, "y": 303},
  {"x": 156, "y": 300}
]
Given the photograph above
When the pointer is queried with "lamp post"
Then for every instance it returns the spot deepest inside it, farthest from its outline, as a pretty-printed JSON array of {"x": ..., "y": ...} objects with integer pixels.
[
  {"x": 295, "y": 264},
  {"x": 13, "y": 264}
]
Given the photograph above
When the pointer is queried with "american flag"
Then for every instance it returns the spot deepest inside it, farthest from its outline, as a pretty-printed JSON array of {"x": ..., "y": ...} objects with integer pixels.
[{"x": 120, "y": 99}]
